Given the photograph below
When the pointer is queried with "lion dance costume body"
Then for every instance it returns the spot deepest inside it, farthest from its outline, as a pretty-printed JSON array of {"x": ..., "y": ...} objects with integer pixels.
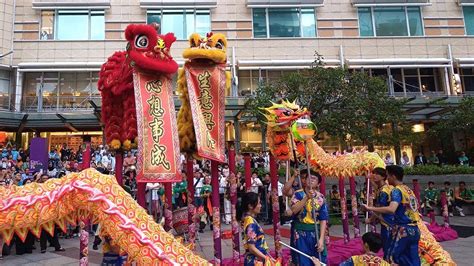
[
  {"x": 210, "y": 50},
  {"x": 279, "y": 119},
  {"x": 89, "y": 194}
]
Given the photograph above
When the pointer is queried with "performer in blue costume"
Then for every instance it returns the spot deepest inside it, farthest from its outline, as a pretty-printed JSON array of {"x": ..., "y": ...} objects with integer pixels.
[
  {"x": 302, "y": 206},
  {"x": 384, "y": 190},
  {"x": 256, "y": 248},
  {"x": 405, "y": 233},
  {"x": 289, "y": 189}
]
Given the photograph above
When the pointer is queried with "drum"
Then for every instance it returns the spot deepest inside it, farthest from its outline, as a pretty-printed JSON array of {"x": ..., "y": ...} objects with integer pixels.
[{"x": 180, "y": 220}]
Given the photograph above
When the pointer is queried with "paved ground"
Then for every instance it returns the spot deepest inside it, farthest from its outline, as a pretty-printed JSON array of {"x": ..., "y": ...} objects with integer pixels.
[{"x": 460, "y": 249}]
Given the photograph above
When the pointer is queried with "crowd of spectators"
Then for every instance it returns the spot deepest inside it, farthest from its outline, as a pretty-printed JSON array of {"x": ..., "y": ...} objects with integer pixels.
[{"x": 435, "y": 158}]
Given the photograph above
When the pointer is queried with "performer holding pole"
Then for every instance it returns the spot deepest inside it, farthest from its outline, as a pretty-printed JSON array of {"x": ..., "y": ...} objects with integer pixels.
[{"x": 309, "y": 207}]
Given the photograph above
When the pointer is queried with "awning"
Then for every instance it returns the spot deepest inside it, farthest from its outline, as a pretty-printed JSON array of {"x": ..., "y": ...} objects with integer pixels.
[
  {"x": 71, "y": 4},
  {"x": 155, "y": 4},
  {"x": 369, "y": 3},
  {"x": 64, "y": 66},
  {"x": 465, "y": 62},
  {"x": 283, "y": 3},
  {"x": 282, "y": 64},
  {"x": 429, "y": 108},
  {"x": 398, "y": 63},
  {"x": 466, "y": 2}
]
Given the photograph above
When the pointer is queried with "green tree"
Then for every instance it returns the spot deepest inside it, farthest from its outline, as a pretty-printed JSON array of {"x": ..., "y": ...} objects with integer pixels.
[
  {"x": 459, "y": 119},
  {"x": 342, "y": 104}
]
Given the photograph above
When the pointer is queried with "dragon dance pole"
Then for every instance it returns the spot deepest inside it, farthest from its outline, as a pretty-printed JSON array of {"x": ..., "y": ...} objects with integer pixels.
[
  {"x": 313, "y": 203},
  {"x": 248, "y": 174},
  {"x": 370, "y": 202},
  {"x": 216, "y": 216},
  {"x": 86, "y": 155},
  {"x": 169, "y": 206},
  {"x": 141, "y": 187},
  {"x": 119, "y": 166},
  {"x": 233, "y": 201},
  {"x": 275, "y": 205},
  {"x": 192, "y": 224},
  {"x": 296, "y": 159},
  {"x": 83, "y": 245},
  {"x": 345, "y": 219},
  {"x": 322, "y": 189},
  {"x": 355, "y": 214}
]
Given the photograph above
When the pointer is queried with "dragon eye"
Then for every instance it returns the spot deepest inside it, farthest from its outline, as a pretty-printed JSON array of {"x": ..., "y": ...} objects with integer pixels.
[
  {"x": 141, "y": 41},
  {"x": 219, "y": 45}
]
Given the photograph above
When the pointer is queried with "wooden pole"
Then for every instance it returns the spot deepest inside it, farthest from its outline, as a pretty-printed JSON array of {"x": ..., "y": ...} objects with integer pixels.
[
  {"x": 233, "y": 201},
  {"x": 168, "y": 206},
  {"x": 275, "y": 205},
  {"x": 119, "y": 167},
  {"x": 216, "y": 216},
  {"x": 248, "y": 172},
  {"x": 141, "y": 187}
]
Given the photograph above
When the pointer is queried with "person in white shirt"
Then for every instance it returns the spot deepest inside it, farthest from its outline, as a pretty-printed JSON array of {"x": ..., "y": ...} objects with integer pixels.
[
  {"x": 388, "y": 159},
  {"x": 405, "y": 160},
  {"x": 223, "y": 189},
  {"x": 105, "y": 160},
  {"x": 153, "y": 199},
  {"x": 255, "y": 183},
  {"x": 198, "y": 183}
]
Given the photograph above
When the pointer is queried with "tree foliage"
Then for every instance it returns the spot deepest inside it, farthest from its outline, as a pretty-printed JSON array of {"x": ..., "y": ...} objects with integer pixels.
[{"x": 347, "y": 105}]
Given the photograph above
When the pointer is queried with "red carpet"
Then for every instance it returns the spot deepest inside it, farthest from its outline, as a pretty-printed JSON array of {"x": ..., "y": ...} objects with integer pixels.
[{"x": 285, "y": 232}]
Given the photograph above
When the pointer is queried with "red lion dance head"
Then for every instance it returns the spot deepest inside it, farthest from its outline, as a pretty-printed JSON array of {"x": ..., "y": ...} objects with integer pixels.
[{"x": 146, "y": 51}]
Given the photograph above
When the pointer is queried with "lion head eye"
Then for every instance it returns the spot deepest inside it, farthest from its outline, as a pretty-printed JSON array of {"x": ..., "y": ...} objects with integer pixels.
[
  {"x": 141, "y": 41},
  {"x": 219, "y": 45}
]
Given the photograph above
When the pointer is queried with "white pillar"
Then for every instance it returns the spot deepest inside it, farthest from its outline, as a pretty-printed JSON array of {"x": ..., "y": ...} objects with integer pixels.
[{"x": 18, "y": 90}]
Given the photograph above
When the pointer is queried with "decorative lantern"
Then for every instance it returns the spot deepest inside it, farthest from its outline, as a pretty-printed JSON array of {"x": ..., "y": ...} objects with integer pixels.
[{"x": 303, "y": 129}]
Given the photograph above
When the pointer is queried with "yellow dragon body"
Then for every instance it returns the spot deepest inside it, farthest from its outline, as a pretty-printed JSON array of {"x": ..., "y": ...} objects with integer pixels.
[
  {"x": 89, "y": 194},
  {"x": 279, "y": 119}
]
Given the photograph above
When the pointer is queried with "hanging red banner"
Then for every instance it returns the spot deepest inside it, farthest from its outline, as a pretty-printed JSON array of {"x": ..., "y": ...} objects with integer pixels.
[
  {"x": 206, "y": 88},
  {"x": 158, "y": 157}
]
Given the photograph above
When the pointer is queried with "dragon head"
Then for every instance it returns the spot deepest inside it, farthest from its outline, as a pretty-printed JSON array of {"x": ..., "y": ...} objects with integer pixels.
[
  {"x": 150, "y": 51},
  {"x": 213, "y": 48},
  {"x": 281, "y": 115}
]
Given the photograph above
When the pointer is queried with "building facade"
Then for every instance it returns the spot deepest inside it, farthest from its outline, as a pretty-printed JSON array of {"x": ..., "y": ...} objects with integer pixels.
[{"x": 51, "y": 50}]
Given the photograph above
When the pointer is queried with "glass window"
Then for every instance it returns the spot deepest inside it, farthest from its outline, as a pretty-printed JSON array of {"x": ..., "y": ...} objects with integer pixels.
[
  {"x": 284, "y": 22},
  {"x": 47, "y": 25},
  {"x": 259, "y": 23},
  {"x": 203, "y": 24},
  {"x": 72, "y": 25},
  {"x": 390, "y": 21},
  {"x": 97, "y": 25},
  {"x": 4, "y": 89},
  {"x": 467, "y": 82},
  {"x": 412, "y": 82},
  {"x": 469, "y": 19},
  {"x": 308, "y": 22},
  {"x": 397, "y": 79},
  {"x": 181, "y": 22},
  {"x": 428, "y": 82},
  {"x": 414, "y": 21},
  {"x": 365, "y": 22},
  {"x": 95, "y": 78}
]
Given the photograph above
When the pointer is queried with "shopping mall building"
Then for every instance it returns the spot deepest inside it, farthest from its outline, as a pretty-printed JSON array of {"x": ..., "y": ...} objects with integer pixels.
[{"x": 51, "y": 52}]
